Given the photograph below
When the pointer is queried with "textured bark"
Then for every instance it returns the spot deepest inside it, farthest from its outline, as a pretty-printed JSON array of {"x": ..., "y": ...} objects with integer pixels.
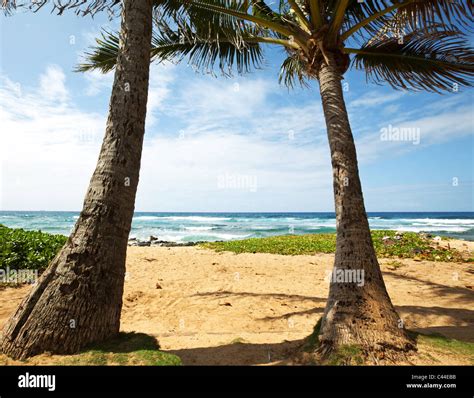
[
  {"x": 78, "y": 299},
  {"x": 354, "y": 315}
]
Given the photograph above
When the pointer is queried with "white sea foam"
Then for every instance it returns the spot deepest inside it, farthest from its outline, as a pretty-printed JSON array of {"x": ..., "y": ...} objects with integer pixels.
[
  {"x": 408, "y": 228},
  {"x": 196, "y": 218},
  {"x": 225, "y": 236},
  {"x": 442, "y": 221},
  {"x": 198, "y": 228}
]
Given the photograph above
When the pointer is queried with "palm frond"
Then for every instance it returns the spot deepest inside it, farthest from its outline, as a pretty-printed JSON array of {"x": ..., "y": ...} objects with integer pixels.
[
  {"x": 431, "y": 61},
  {"x": 450, "y": 13},
  {"x": 80, "y": 7},
  {"x": 227, "y": 13},
  {"x": 292, "y": 70},
  {"x": 203, "y": 49},
  {"x": 103, "y": 56},
  {"x": 260, "y": 8},
  {"x": 370, "y": 16},
  {"x": 207, "y": 48},
  {"x": 197, "y": 12}
]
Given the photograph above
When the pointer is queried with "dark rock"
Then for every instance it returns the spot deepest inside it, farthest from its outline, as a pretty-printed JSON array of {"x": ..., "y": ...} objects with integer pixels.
[{"x": 162, "y": 243}]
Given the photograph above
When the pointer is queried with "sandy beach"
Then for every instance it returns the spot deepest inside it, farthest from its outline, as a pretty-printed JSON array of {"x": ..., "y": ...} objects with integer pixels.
[{"x": 222, "y": 308}]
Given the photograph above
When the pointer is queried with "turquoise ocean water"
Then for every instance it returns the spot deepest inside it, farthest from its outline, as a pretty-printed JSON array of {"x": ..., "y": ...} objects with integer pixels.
[{"x": 188, "y": 227}]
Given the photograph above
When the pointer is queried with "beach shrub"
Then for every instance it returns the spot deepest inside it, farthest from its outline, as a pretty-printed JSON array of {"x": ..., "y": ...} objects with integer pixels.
[
  {"x": 20, "y": 249},
  {"x": 389, "y": 244},
  {"x": 412, "y": 245},
  {"x": 287, "y": 244}
]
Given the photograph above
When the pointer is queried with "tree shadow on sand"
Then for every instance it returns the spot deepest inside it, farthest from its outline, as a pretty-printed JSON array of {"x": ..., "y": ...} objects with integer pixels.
[
  {"x": 462, "y": 294},
  {"x": 240, "y": 353},
  {"x": 294, "y": 297},
  {"x": 127, "y": 348},
  {"x": 126, "y": 342},
  {"x": 461, "y": 319}
]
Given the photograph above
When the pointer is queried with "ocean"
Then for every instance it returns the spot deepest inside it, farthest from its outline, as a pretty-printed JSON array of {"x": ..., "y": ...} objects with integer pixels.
[{"x": 190, "y": 227}]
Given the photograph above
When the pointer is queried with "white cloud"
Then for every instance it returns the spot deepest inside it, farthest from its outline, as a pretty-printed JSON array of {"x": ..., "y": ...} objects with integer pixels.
[
  {"x": 176, "y": 172},
  {"x": 50, "y": 145},
  {"x": 446, "y": 125},
  {"x": 375, "y": 98},
  {"x": 98, "y": 82},
  {"x": 53, "y": 147},
  {"x": 161, "y": 77},
  {"x": 52, "y": 84}
]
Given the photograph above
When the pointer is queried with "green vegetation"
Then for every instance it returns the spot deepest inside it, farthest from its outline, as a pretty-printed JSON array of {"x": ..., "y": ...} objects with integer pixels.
[
  {"x": 353, "y": 355},
  {"x": 387, "y": 244},
  {"x": 445, "y": 344},
  {"x": 126, "y": 349},
  {"x": 239, "y": 340},
  {"x": 394, "y": 264},
  {"x": 345, "y": 355},
  {"x": 411, "y": 245},
  {"x": 312, "y": 342},
  {"x": 287, "y": 244},
  {"x": 20, "y": 249}
]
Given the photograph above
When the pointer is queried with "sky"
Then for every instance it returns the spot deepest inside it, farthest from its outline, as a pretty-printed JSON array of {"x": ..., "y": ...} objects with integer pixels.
[{"x": 243, "y": 144}]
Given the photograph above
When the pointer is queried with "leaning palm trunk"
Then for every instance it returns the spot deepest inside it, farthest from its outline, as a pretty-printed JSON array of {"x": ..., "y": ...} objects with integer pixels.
[
  {"x": 354, "y": 315},
  {"x": 78, "y": 299},
  {"x": 426, "y": 48}
]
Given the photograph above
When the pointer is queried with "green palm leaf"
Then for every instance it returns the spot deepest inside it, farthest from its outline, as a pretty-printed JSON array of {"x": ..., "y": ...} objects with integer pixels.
[
  {"x": 293, "y": 71},
  {"x": 370, "y": 16},
  {"x": 204, "y": 49},
  {"x": 432, "y": 61},
  {"x": 103, "y": 56},
  {"x": 433, "y": 55}
]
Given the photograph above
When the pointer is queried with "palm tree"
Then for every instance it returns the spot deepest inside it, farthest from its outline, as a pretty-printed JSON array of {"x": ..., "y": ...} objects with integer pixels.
[
  {"x": 78, "y": 299},
  {"x": 410, "y": 44}
]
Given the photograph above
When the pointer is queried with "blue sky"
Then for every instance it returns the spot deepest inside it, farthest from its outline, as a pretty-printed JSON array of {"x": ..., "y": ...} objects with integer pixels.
[{"x": 216, "y": 144}]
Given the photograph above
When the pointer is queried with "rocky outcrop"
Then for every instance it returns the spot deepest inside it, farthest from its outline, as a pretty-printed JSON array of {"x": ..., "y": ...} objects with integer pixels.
[{"x": 153, "y": 241}]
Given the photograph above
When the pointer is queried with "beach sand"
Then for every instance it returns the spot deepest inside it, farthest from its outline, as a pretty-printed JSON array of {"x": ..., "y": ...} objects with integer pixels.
[{"x": 221, "y": 308}]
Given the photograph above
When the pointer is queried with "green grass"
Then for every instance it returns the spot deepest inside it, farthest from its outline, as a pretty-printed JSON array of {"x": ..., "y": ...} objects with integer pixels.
[
  {"x": 353, "y": 355},
  {"x": 346, "y": 355},
  {"x": 239, "y": 340},
  {"x": 394, "y": 264},
  {"x": 312, "y": 341},
  {"x": 126, "y": 349},
  {"x": 445, "y": 344},
  {"x": 20, "y": 249},
  {"x": 409, "y": 245}
]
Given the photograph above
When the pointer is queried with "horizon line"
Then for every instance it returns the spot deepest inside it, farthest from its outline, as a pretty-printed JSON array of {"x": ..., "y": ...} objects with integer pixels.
[{"x": 246, "y": 212}]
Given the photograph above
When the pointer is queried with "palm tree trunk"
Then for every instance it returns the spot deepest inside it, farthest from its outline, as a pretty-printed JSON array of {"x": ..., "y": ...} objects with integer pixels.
[
  {"x": 78, "y": 299},
  {"x": 355, "y": 315}
]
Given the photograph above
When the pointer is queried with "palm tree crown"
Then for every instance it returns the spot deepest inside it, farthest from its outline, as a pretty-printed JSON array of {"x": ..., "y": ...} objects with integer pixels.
[{"x": 410, "y": 44}]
